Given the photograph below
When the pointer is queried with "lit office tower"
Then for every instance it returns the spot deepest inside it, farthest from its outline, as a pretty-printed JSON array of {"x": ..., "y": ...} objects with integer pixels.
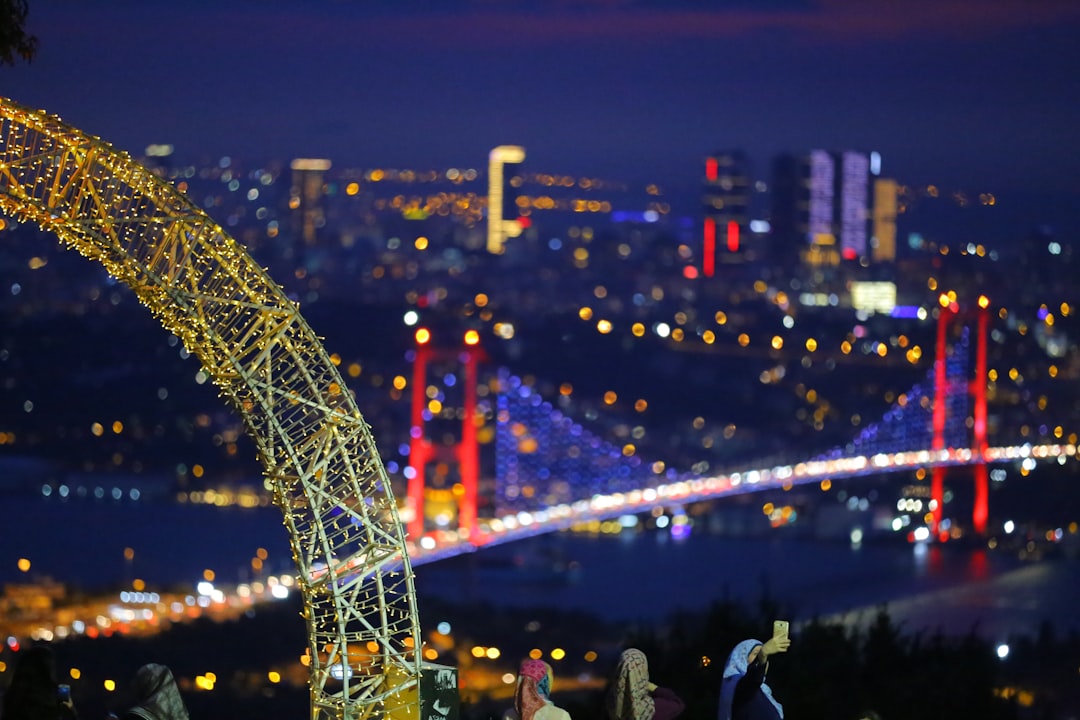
[
  {"x": 883, "y": 241},
  {"x": 822, "y": 195},
  {"x": 820, "y": 249},
  {"x": 854, "y": 200},
  {"x": 727, "y": 206},
  {"x": 803, "y": 209},
  {"x": 502, "y": 161},
  {"x": 821, "y": 205},
  {"x": 305, "y": 197}
]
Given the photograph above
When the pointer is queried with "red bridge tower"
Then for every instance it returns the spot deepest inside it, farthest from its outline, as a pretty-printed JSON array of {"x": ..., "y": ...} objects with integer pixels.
[
  {"x": 421, "y": 449},
  {"x": 949, "y": 313}
]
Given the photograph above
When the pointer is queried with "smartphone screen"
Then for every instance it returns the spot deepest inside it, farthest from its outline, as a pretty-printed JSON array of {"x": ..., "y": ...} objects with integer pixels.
[
  {"x": 63, "y": 692},
  {"x": 780, "y": 628}
]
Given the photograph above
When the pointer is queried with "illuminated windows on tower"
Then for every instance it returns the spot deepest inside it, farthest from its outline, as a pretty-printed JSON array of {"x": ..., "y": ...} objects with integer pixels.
[
  {"x": 886, "y": 201},
  {"x": 854, "y": 203},
  {"x": 726, "y": 199},
  {"x": 822, "y": 206},
  {"x": 502, "y": 164}
]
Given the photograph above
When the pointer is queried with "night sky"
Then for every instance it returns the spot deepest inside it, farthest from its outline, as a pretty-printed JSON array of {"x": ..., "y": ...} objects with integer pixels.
[{"x": 969, "y": 94}]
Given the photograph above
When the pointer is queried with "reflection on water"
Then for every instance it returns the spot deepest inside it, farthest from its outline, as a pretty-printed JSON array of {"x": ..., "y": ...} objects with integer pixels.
[
  {"x": 978, "y": 564},
  {"x": 647, "y": 576}
]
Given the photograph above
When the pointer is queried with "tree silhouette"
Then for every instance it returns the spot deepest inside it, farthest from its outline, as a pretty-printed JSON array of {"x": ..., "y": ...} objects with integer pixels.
[{"x": 15, "y": 42}]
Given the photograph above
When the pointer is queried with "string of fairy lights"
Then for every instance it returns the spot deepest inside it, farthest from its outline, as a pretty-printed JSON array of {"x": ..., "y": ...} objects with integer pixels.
[{"x": 319, "y": 457}]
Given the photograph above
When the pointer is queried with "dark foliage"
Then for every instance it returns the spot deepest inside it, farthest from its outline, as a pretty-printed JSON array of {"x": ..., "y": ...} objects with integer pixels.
[{"x": 15, "y": 42}]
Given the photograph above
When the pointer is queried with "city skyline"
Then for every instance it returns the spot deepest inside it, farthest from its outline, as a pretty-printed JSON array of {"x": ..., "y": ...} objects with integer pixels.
[{"x": 970, "y": 95}]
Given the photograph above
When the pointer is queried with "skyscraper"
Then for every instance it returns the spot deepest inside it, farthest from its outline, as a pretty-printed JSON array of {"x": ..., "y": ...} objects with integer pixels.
[
  {"x": 726, "y": 207},
  {"x": 305, "y": 197},
  {"x": 789, "y": 215},
  {"x": 821, "y": 206},
  {"x": 853, "y": 204},
  {"x": 500, "y": 160},
  {"x": 883, "y": 241}
]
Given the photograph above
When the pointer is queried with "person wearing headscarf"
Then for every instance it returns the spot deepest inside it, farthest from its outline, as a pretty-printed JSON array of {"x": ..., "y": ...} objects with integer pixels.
[
  {"x": 632, "y": 696},
  {"x": 532, "y": 698},
  {"x": 34, "y": 693},
  {"x": 156, "y": 695},
  {"x": 744, "y": 694}
]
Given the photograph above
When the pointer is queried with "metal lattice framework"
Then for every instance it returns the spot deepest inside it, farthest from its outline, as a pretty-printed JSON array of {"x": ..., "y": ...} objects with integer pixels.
[{"x": 317, "y": 451}]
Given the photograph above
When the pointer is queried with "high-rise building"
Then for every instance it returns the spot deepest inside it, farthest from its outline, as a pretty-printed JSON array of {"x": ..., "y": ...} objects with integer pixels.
[
  {"x": 883, "y": 240},
  {"x": 726, "y": 208},
  {"x": 502, "y": 161},
  {"x": 306, "y": 197},
  {"x": 853, "y": 204},
  {"x": 789, "y": 215},
  {"x": 822, "y": 189},
  {"x": 821, "y": 206}
]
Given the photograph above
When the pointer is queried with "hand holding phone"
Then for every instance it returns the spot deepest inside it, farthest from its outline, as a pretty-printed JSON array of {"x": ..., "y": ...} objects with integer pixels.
[
  {"x": 779, "y": 642},
  {"x": 63, "y": 693}
]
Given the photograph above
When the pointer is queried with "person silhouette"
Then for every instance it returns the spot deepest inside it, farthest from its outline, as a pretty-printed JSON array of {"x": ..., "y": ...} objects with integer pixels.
[
  {"x": 532, "y": 697},
  {"x": 744, "y": 694},
  {"x": 34, "y": 693},
  {"x": 632, "y": 696},
  {"x": 156, "y": 695}
]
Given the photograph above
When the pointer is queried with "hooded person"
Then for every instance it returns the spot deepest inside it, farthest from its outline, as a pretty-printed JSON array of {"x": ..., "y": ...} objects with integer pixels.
[
  {"x": 744, "y": 694},
  {"x": 156, "y": 695},
  {"x": 632, "y": 696},
  {"x": 532, "y": 697}
]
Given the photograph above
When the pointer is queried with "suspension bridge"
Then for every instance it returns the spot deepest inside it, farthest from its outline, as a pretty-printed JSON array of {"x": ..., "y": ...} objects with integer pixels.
[{"x": 552, "y": 473}]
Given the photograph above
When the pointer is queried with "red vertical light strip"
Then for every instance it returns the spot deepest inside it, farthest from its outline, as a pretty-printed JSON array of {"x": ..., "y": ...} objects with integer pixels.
[
  {"x": 708, "y": 262},
  {"x": 418, "y": 445},
  {"x": 732, "y": 236},
  {"x": 982, "y": 490},
  {"x": 712, "y": 169},
  {"x": 468, "y": 451},
  {"x": 941, "y": 392}
]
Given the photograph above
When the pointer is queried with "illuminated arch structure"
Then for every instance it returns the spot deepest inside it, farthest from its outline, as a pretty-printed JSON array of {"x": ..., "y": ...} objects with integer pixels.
[{"x": 318, "y": 453}]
